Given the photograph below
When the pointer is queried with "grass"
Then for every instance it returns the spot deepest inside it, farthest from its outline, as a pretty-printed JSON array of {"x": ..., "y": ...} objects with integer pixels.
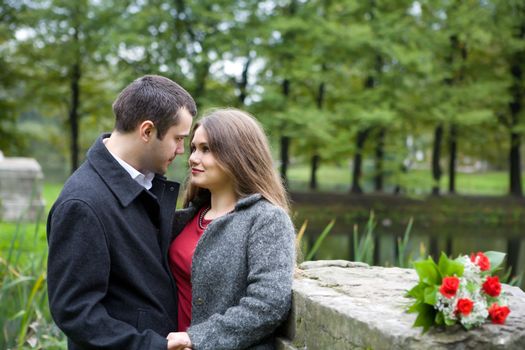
[
  {"x": 25, "y": 319},
  {"x": 338, "y": 178}
]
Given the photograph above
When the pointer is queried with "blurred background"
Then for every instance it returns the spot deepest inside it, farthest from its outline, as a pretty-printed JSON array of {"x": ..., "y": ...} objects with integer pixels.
[{"x": 396, "y": 125}]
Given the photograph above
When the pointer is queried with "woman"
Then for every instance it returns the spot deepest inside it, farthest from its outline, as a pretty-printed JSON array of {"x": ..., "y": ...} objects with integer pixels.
[{"x": 233, "y": 253}]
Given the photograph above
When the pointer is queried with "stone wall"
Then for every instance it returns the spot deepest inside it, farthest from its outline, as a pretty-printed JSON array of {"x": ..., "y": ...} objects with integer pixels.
[
  {"x": 343, "y": 305},
  {"x": 20, "y": 189}
]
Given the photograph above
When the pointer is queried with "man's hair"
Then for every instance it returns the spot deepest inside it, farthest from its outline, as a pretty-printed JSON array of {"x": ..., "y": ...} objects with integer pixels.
[{"x": 154, "y": 98}]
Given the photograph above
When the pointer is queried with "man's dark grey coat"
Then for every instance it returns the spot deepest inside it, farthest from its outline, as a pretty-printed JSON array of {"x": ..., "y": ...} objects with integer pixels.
[{"x": 108, "y": 277}]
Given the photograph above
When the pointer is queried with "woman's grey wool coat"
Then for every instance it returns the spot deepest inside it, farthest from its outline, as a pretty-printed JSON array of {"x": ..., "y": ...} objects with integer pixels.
[{"x": 242, "y": 274}]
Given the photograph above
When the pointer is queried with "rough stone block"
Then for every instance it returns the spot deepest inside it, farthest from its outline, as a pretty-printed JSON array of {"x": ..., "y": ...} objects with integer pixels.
[
  {"x": 20, "y": 189},
  {"x": 342, "y": 305}
]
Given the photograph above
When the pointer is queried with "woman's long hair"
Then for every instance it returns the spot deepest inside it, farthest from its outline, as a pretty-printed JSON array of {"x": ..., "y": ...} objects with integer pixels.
[{"x": 241, "y": 148}]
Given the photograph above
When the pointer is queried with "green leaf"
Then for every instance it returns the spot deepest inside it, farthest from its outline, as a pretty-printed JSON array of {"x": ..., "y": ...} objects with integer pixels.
[
  {"x": 425, "y": 317},
  {"x": 439, "y": 319},
  {"x": 449, "y": 321},
  {"x": 495, "y": 258},
  {"x": 414, "y": 307},
  {"x": 449, "y": 267},
  {"x": 320, "y": 240},
  {"x": 428, "y": 272},
  {"x": 417, "y": 291},
  {"x": 472, "y": 287},
  {"x": 430, "y": 295}
]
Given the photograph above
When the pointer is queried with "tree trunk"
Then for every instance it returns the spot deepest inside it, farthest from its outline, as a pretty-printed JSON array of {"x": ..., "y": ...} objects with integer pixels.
[
  {"x": 313, "y": 171},
  {"x": 285, "y": 146},
  {"x": 380, "y": 153},
  {"x": 316, "y": 158},
  {"x": 433, "y": 248},
  {"x": 243, "y": 84},
  {"x": 515, "y": 138},
  {"x": 202, "y": 72},
  {"x": 515, "y": 165},
  {"x": 285, "y": 142},
  {"x": 461, "y": 47},
  {"x": 436, "y": 155},
  {"x": 370, "y": 82},
  {"x": 362, "y": 135},
  {"x": 513, "y": 254},
  {"x": 453, "y": 146},
  {"x": 74, "y": 115}
]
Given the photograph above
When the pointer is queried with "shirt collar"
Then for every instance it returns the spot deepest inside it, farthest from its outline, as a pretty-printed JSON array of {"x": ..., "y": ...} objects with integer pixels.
[{"x": 145, "y": 180}]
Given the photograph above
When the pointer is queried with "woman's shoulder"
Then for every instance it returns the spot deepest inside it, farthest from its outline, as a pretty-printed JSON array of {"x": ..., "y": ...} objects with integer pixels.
[
  {"x": 264, "y": 210},
  {"x": 256, "y": 203}
]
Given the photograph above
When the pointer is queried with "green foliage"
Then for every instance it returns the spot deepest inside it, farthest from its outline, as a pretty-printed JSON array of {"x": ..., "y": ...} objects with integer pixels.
[
  {"x": 430, "y": 278},
  {"x": 403, "y": 259},
  {"x": 310, "y": 254},
  {"x": 26, "y": 322},
  {"x": 495, "y": 258},
  {"x": 364, "y": 246},
  {"x": 511, "y": 280},
  {"x": 319, "y": 240},
  {"x": 316, "y": 71}
]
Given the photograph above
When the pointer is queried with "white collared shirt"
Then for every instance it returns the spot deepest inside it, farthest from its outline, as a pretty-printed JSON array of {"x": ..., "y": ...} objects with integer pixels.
[{"x": 145, "y": 180}]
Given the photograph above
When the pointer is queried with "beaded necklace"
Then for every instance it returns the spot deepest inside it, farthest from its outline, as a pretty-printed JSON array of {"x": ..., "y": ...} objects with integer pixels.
[{"x": 201, "y": 217}]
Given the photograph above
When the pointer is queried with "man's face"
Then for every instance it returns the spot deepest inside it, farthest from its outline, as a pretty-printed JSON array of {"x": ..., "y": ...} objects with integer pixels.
[{"x": 162, "y": 152}]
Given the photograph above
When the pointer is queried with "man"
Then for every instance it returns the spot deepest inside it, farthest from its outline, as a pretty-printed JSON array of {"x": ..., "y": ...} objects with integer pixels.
[{"x": 109, "y": 282}]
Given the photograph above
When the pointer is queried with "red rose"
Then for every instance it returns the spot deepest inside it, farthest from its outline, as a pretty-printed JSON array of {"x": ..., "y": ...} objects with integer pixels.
[
  {"x": 449, "y": 286},
  {"x": 481, "y": 260},
  {"x": 498, "y": 314},
  {"x": 491, "y": 286},
  {"x": 464, "y": 306}
]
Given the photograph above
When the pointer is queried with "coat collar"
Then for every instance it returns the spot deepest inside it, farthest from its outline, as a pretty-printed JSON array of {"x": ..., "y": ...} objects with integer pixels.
[
  {"x": 183, "y": 216},
  {"x": 248, "y": 201},
  {"x": 116, "y": 178},
  {"x": 242, "y": 203}
]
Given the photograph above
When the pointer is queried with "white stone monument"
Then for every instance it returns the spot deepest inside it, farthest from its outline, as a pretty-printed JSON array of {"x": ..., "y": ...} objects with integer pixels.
[{"x": 20, "y": 189}]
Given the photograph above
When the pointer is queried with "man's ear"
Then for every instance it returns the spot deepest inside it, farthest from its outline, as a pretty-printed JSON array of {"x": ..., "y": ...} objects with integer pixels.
[{"x": 147, "y": 130}]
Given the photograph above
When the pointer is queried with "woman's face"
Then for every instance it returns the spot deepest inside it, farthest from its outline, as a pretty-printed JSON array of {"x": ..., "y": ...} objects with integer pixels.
[{"x": 204, "y": 168}]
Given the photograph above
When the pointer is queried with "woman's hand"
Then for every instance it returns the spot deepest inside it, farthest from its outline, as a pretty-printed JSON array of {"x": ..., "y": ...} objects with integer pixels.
[{"x": 179, "y": 341}]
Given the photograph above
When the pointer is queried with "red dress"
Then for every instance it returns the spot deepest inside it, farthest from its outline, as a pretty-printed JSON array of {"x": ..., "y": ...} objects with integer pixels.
[{"x": 181, "y": 255}]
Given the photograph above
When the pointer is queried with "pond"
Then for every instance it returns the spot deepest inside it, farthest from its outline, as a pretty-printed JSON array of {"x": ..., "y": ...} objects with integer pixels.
[{"x": 453, "y": 225}]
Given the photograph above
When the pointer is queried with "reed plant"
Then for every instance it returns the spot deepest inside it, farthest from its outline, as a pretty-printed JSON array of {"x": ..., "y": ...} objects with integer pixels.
[
  {"x": 24, "y": 313},
  {"x": 363, "y": 243}
]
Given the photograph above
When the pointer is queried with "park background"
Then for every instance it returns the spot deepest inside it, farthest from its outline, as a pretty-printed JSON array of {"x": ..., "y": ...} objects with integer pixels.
[{"x": 396, "y": 125}]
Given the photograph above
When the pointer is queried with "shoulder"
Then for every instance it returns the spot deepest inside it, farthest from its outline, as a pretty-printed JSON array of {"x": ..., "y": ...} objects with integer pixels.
[
  {"x": 264, "y": 209},
  {"x": 84, "y": 185},
  {"x": 265, "y": 214}
]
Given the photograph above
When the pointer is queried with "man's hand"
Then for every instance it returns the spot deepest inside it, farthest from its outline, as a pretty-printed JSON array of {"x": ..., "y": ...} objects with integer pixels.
[{"x": 179, "y": 341}]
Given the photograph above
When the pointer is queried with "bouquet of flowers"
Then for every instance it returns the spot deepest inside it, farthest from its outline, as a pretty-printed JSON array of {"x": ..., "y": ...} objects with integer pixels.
[{"x": 461, "y": 290}]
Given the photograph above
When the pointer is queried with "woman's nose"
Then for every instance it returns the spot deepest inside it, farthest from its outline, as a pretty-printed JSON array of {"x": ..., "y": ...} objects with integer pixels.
[{"x": 193, "y": 159}]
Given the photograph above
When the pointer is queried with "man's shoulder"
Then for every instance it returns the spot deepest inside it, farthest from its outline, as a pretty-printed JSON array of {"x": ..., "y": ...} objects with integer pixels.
[{"x": 84, "y": 185}]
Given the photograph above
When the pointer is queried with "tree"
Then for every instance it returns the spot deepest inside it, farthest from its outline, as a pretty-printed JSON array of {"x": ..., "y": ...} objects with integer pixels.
[
  {"x": 11, "y": 75},
  {"x": 511, "y": 16},
  {"x": 67, "y": 39}
]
